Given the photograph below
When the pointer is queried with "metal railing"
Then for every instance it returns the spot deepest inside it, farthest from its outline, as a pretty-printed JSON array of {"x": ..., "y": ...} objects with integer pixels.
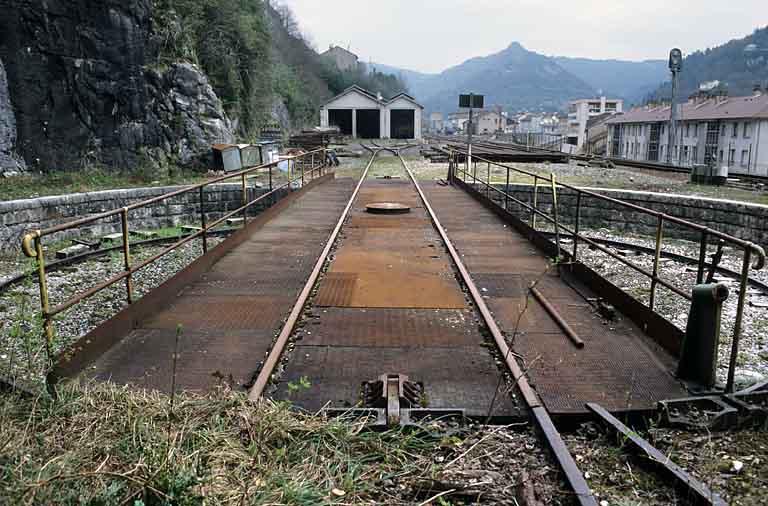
[
  {"x": 303, "y": 167},
  {"x": 750, "y": 251}
]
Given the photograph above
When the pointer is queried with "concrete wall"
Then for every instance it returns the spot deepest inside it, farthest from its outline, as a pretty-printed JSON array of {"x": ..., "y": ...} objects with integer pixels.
[
  {"x": 17, "y": 217},
  {"x": 743, "y": 220}
]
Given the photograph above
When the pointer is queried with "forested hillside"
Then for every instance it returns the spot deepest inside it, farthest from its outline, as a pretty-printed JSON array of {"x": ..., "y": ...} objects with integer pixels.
[{"x": 737, "y": 67}]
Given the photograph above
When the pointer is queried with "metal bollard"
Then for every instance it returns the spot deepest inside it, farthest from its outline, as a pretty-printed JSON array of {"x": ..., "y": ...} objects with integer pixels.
[{"x": 698, "y": 358}]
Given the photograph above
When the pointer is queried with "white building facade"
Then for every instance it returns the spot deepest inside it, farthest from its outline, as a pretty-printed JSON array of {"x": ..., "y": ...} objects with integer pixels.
[
  {"x": 361, "y": 114},
  {"x": 579, "y": 112},
  {"x": 717, "y": 131}
]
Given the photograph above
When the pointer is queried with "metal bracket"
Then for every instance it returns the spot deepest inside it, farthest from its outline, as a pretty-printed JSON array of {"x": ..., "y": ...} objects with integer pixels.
[{"x": 394, "y": 401}]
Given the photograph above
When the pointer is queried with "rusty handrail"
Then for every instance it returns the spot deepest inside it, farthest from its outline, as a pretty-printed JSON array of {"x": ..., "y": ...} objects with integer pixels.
[
  {"x": 31, "y": 243},
  {"x": 749, "y": 248}
]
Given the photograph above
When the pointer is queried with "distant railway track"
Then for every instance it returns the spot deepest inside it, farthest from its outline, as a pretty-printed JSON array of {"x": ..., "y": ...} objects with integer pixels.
[{"x": 498, "y": 146}]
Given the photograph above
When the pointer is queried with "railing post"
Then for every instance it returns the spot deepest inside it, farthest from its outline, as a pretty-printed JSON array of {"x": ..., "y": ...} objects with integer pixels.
[
  {"x": 302, "y": 172},
  {"x": 312, "y": 166},
  {"x": 702, "y": 258},
  {"x": 44, "y": 300},
  {"x": 656, "y": 260},
  {"x": 535, "y": 201},
  {"x": 245, "y": 202},
  {"x": 271, "y": 196},
  {"x": 474, "y": 173},
  {"x": 506, "y": 193},
  {"x": 576, "y": 230},
  {"x": 729, "y": 386},
  {"x": 555, "y": 213},
  {"x": 488, "y": 189},
  {"x": 203, "y": 223},
  {"x": 127, "y": 255}
]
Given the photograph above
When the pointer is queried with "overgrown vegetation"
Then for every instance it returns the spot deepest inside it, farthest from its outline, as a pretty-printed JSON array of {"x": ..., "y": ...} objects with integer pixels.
[
  {"x": 60, "y": 183},
  {"x": 256, "y": 56},
  {"x": 107, "y": 445},
  {"x": 230, "y": 40}
]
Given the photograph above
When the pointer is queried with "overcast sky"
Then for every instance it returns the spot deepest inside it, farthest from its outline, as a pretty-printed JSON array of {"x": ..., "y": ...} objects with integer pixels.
[{"x": 431, "y": 35}]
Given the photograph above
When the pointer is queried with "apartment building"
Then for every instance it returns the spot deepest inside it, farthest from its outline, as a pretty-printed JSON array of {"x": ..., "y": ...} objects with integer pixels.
[
  {"x": 711, "y": 130},
  {"x": 579, "y": 113}
]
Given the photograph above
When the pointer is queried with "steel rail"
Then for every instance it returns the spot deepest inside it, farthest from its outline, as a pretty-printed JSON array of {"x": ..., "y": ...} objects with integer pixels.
[
  {"x": 755, "y": 283},
  {"x": 759, "y": 251},
  {"x": 537, "y": 212},
  {"x": 83, "y": 257},
  {"x": 748, "y": 248},
  {"x": 129, "y": 271},
  {"x": 150, "y": 201},
  {"x": 563, "y": 456},
  {"x": 267, "y": 369}
]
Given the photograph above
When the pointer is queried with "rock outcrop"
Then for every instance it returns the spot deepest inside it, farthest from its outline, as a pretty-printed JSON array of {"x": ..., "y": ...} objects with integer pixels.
[
  {"x": 10, "y": 162},
  {"x": 87, "y": 87}
]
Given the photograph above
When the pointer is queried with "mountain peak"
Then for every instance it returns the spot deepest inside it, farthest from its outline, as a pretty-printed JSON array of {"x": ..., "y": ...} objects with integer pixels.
[{"x": 516, "y": 46}]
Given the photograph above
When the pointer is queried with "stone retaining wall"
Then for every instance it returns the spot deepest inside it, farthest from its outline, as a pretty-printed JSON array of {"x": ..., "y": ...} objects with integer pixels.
[
  {"x": 19, "y": 216},
  {"x": 744, "y": 220}
]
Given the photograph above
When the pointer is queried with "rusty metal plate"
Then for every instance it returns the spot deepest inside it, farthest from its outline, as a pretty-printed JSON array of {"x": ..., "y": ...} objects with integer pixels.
[
  {"x": 617, "y": 367},
  {"x": 407, "y": 259},
  {"x": 384, "y": 221},
  {"x": 498, "y": 284},
  {"x": 336, "y": 289},
  {"x": 222, "y": 312},
  {"x": 580, "y": 316},
  {"x": 390, "y": 290},
  {"x": 336, "y": 373},
  {"x": 614, "y": 372},
  {"x": 205, "y": 360},
  {"x": 391, "y": 327},
  {"x": 531, "y": 264}
]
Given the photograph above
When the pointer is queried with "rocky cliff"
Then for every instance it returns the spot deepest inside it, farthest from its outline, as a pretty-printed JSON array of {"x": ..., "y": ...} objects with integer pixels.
[{"x": 85, "y": 87}]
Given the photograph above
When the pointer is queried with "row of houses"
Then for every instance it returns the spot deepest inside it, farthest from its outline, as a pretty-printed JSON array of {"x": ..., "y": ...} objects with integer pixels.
[{"x": 711, "y": 130}]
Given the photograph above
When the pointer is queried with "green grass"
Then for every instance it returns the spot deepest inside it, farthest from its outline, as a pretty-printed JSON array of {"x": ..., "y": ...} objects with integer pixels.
[{"x": 59, "y": 183}]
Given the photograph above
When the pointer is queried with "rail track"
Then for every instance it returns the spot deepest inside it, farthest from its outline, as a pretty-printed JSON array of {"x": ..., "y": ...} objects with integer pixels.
[
  {"x": 533, "y": 405},
  {"x": 425, "y": 306}
]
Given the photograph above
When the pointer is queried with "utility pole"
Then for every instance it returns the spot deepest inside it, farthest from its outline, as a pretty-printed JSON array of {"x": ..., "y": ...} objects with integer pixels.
[{"x": 675, "y": 65}]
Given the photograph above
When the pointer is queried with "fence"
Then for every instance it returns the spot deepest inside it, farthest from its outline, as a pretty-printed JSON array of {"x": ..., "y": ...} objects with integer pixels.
[
  {"x": 468, "y": 173},
  {"x": 307, "y": 166}
]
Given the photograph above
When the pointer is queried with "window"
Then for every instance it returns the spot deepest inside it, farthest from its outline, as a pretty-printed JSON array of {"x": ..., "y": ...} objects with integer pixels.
[
  {"x": 663, "y": 128},
  {"x": 731, "y": 156},
  {"x": 688, "y": 130},
  {"x": 720, "y": 158},
  {"x": 696, "y": 130},
  {"x": 722, "y": 133},
  {"x": 747, "y": 129},
  {"x": 694, "y": 156},
  {"x": 735, "y": 132},
  {"x": 685, "y": 153},
  {"x": 744, "y": 156}
]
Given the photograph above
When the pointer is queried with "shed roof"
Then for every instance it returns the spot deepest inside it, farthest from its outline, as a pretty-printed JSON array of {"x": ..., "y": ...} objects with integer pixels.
[
  {"x": 406, "y": 97},
  {"x": 749, "y": 107},
  {"x": 357, "y": 89}
]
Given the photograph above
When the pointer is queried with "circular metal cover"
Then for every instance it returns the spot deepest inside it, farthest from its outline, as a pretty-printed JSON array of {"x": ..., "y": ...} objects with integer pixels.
[{"x": 387, "y": 208}]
